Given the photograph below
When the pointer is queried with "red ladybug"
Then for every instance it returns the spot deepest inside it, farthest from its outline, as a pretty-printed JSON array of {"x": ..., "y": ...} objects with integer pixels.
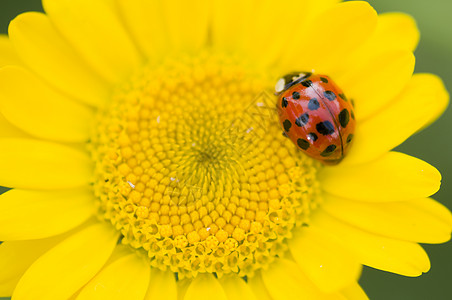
[{"x": 316, "y": 115}]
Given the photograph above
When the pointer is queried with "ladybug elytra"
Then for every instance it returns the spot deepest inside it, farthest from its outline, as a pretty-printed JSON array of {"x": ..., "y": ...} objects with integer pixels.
[{"x": 316, "y": 115}]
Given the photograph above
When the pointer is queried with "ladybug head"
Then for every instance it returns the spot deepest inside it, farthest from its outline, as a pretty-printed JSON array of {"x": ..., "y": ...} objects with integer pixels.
[{"x": 289, "y": 80}]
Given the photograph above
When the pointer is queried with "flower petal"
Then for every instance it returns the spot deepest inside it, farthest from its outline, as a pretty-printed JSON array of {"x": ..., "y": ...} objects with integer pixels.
[
  {"x": 144, "y": 21},
  {"x": 17, "y": 256},
  {"x": 437, "y": 91},
  {"x": 354, "y": 292},
  {"x": 45, "y": 51},
  {"x": 187, "y": 31},
  {"x": 330, "y": 266},
  {"x": 393, "y": 177},
  {"x": 226, "y": 31},
  {"x": 162, "y": 285},
  {"x": 404, "y": 258},
  {"x": 39, "y": 110},
  {"x": 100, "y": 38},
  {"x": 236, "y": 288},
  {"x": 371, "y": 87},
  {"x": 205, "y": 287},
  {"x": 182, "y": 287},
  {"x": 436, "y": 209},
  {"x": 252, "y": 36},
  {"x": 9, "y": 130},
  {"x": 36, "y": 164},
  {"x": 343, "y": 28},
  {"x": 125, "y": 278},
  {"x": 398, "y": 220},
  {"x": 284, "y": 280},
  {"x": 64, "y": 269},
  {"x": 423, "y": 100},
  {"x": 256, "y": 283},
  {"x": 28, "y": 214},
  {"x": 7, "y": 54},
  {"x": 395, "y": 31}
]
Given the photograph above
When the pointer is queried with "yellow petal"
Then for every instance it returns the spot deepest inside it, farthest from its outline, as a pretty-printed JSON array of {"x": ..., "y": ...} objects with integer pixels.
[
  {"x": 227, "y": 32},
  {"x": 9, "y": 130},
  {"x": 252, "y": 38},
  {"x": 182, "y": 287},
  {"x": 436, "y": 209},
  {"x": 401, "y": 257},
  {"x": 354, "y": 292},
  {"x": 338, "y": 31},
  {"x": 17, "y": 256},
  {"x": 187, "y": 23},
  {"x": 64, "y": 269},
  {"x": 285, "y": 280},
  {"x": 250, "y": 35},
  {"x": 120, "y": 251},
  {"x": 205, "y": 287},
  {"x": 45, "y": 51},
  {"x": 372, "y": 88},
  {"x": 236, "y": 288},
  {"x": 8, "y": 55},
  {"x": 40, "y": 110},
  {"x": 143, "y": 19},
  {"x": 423, "y": 100},
  {"x": 393, "y": 177},
  {"x": 328, "y": 265},
  {"x": 162, "y": 285},
  {"x": 125, "y": 278},
  {"x": 26, "y": 214},
  {"x": 34, "y": 164},
  {"x": 96, "y": 31},
  {"x": 399, "y": 220},
  {"x": 438, "y": 95},
  {"x": 256, "y": 283},
  {"x": 395, "y": 31}
]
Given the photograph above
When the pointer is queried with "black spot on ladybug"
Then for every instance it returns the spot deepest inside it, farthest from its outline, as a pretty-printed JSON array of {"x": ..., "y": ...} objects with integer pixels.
[
  {"x": 284, "y": 102},
  {"x": 328, "y": 150},
  {"x": 325, "y": 80},
  {"x": 343, "y": 97},
  {"x": 287, "y": 125},
  {"x": 353, "y": 115},
  {"x": 329, "y": 95},
  {"x": 306, "y": 83},
  {"x": 344, "y": 117},
  {"x": 296, "y": 95},
  {"x": 349, "y": 138},
  {"x": 312, "y": 137},
  {"x": 303, "y": 144},
  {"x": 302, "y": 120},
  {"x": 325, "y": 128},
  {"x": 285, "y": 134},
  {"x": 313, "y": 104}
]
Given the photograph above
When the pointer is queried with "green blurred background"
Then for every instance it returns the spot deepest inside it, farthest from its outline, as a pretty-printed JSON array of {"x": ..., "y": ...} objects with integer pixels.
[{"x": 433, "y": 145}]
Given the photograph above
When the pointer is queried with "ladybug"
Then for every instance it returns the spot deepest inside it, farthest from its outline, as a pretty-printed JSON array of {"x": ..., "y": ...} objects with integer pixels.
[{"x": 316, "y": 115}]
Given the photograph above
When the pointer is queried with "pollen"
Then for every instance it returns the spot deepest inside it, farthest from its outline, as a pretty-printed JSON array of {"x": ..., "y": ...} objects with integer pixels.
[{"x": 191, "y": 167}]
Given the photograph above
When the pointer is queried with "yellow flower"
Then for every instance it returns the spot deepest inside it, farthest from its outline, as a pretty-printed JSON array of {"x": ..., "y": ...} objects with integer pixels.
[{"x": 146, "y": 161}]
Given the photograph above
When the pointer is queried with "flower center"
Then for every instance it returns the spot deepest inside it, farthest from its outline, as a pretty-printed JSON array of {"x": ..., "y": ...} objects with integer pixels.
[{"x": 192, "y": 167}]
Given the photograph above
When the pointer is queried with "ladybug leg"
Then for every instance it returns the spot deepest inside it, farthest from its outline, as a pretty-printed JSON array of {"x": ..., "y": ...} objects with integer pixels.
[{"x": 285, "y": 134}]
